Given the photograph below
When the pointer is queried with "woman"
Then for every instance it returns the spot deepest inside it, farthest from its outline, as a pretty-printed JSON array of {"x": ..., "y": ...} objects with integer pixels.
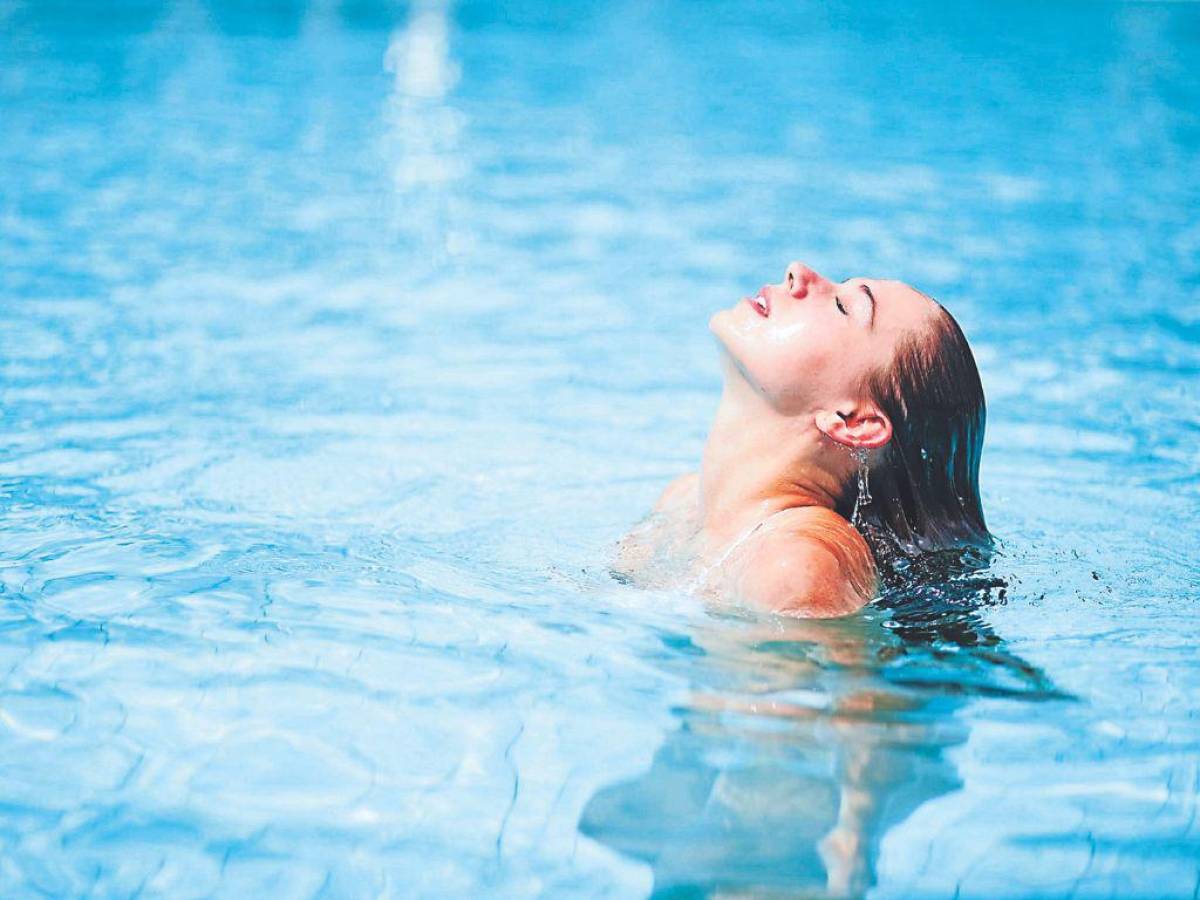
[{"x": 847, "y": 436}]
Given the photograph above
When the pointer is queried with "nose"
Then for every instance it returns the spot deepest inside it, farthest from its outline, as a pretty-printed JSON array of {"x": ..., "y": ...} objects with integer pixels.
[{"x": 799, "y": 278}]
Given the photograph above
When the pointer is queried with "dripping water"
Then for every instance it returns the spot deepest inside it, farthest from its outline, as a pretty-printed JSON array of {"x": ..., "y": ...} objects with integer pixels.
[{"x": 863, "y": 497}]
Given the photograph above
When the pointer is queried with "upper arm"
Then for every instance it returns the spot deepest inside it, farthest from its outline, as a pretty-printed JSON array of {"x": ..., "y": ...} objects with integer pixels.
[{"x": 819, "y": 568}]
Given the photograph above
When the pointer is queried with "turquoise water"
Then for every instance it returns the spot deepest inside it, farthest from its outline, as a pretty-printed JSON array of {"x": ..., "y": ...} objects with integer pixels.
[{"x": 341, "y": 341}]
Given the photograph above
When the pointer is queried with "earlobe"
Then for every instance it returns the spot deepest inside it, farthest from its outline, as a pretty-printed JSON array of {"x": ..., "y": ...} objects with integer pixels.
[{"x": 866, "y": 429}]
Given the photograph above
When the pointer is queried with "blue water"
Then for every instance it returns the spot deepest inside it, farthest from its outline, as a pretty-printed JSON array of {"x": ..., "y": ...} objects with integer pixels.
[{"x": 341, "y": 341}]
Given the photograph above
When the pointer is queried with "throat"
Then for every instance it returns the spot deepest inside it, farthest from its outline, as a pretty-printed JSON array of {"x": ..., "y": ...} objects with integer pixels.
[{"x": 758, "y": 463}]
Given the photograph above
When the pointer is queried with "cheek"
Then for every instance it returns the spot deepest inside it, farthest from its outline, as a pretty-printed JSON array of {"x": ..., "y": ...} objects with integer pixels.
[
  {"x": 791, "y": 364},
  {"x": 792, "y": 367},
  {"x": 794, "y": 374}
]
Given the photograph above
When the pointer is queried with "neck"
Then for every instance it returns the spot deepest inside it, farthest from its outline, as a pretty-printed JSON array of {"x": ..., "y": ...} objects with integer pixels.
[{"x": 758, "y": 462}]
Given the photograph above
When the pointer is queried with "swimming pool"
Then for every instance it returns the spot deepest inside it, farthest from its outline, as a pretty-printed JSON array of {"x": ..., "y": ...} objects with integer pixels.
[{"x": 341, "y": 341}]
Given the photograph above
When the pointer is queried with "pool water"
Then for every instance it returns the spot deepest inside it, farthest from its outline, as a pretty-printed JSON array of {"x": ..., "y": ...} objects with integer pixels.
[{"x": 341, "y": 342}]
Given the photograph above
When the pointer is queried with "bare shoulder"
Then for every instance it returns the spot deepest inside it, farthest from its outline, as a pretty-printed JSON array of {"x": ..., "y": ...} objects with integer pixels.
[
  {"x": 813, "y": 563},
  {"x": 681, "y": 490}
]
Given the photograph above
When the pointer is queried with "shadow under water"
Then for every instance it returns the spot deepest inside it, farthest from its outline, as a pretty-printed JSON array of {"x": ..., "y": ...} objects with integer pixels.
[{"x": 803, "y": 743}]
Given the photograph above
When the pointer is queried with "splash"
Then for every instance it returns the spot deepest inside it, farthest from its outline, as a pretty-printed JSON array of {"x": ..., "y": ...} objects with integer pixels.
[{"x": 863, "y": 497}]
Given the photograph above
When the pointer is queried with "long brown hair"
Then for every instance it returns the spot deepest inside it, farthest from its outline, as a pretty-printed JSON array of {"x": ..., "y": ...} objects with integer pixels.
[{"x": 924, "y": 484}]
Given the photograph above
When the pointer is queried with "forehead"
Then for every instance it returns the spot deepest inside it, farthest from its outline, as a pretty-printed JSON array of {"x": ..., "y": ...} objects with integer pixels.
[{"x": 898, "y": 306}]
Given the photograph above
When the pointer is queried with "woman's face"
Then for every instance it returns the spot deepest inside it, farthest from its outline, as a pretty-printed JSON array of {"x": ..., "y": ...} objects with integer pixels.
[{"x": 807, "y": 343}]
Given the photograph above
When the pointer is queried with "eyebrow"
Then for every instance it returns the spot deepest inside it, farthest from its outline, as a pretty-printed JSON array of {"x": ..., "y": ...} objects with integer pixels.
[{"x": 866, "y": 290}]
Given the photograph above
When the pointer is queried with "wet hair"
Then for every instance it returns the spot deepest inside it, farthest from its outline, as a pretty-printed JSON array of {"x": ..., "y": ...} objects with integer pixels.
[{"x": 923, "y": 485}]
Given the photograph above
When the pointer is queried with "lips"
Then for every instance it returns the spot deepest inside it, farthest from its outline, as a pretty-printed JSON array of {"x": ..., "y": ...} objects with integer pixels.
[{"x": 761, "y": 303}]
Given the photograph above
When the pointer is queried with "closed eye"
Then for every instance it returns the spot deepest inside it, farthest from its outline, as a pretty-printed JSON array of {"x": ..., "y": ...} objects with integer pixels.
[{"x": 841, "y": 309}]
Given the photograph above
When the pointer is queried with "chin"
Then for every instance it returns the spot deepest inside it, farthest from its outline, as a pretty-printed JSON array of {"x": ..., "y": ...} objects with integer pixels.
[
  {"x": 724, "y": 324},
  {"x": 724, "y": 329}
]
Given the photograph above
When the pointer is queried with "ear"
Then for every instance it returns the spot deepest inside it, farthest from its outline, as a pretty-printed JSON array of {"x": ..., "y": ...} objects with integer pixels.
[{"x": 862, "y": 427}]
